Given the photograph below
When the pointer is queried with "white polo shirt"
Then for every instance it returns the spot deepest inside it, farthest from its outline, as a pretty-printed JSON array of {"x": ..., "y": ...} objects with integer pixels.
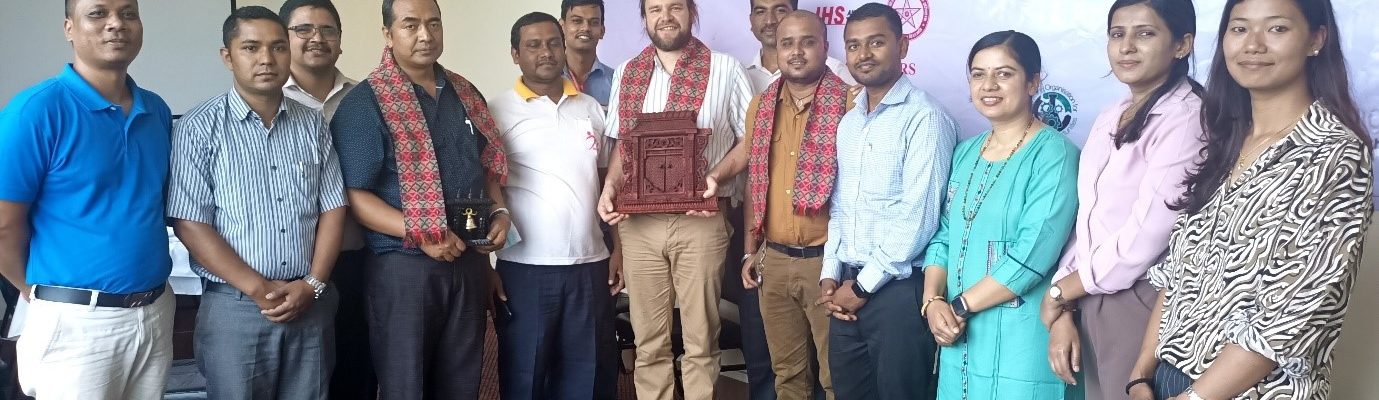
[
  {"x": 761, "y": 78},
  {"x": 554, "y": 152}
]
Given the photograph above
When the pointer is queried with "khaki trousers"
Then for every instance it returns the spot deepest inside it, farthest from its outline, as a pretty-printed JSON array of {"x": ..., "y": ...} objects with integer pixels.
[
  {"x": 789, "y": 290},
  {"x": 670, "y": 259}
]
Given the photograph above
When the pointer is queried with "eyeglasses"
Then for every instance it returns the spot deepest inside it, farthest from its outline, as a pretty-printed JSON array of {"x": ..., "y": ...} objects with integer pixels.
[{"x": 306, "y": 31}]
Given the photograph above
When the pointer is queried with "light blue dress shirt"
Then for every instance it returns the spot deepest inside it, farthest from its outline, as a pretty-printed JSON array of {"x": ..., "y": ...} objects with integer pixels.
[{"x": 893, "y": 167}]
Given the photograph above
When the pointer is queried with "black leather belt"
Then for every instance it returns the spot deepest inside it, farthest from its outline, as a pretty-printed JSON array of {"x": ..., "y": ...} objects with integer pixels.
[
  {"x": 83, "y": 297},
  {"x": 797, "y": 252}
]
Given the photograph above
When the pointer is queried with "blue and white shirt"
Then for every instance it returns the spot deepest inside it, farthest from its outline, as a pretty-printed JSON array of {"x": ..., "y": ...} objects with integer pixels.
[
  {"x": 263, "y": 189},
  {"x": 892, "y": 171}
]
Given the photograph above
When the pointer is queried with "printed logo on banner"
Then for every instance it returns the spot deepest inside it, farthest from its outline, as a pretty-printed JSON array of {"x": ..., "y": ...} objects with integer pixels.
[
  {"x": 914, "y": 15},
  {"x": 1056, "y": 107}
]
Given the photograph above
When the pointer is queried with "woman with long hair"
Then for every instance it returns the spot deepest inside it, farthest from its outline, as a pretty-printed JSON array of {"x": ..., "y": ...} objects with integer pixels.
[
  {"x": 1012, "y": 195},
  {"x": 1131, "y": 170},
  {"x": 1257, "y": 279}
]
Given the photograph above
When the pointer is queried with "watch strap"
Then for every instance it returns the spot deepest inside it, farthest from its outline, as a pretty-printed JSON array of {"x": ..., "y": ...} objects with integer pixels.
[{"x": 859, "y": 291}]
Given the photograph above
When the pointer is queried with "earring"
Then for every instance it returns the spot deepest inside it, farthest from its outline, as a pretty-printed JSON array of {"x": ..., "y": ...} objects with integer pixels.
[{"x": 1316, "y": 53}]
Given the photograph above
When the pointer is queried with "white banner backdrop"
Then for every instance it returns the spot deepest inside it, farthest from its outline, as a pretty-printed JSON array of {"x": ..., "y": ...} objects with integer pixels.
[{"x": 1071, "y": 36}]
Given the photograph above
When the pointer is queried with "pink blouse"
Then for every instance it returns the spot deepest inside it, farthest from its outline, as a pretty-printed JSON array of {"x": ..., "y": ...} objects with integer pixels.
[{"x": 1123, "y": 219}]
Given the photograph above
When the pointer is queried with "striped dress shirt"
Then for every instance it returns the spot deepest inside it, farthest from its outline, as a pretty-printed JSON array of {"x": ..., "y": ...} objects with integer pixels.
[
  {"x": 892, "y": 173},
  {"x": 724, "y": 109},
  {"x": 262, "y": 188}
]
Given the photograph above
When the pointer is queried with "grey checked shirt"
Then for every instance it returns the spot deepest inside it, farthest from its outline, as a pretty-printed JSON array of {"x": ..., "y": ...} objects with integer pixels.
[{"x": 263, "y": 189}]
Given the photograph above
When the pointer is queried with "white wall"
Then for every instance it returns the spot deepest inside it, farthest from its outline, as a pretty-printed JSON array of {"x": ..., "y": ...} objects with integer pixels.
[
  {"x": 476, "y": 37},
  {"x": 180, "y": 59}
]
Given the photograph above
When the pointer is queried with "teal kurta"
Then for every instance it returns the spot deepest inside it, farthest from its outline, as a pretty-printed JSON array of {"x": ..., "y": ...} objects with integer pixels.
[{"x": 1016, "y": 238}]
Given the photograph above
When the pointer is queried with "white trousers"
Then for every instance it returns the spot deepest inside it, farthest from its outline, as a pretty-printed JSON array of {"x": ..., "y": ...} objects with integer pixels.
[{"x": 72, "y": 351}]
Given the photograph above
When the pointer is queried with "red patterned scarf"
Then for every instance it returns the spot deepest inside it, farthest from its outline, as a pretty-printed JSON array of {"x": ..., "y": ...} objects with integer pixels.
[
  {"x": 423, "y": 199},
  {"x": 688, "y": 85},
  {"x": 817, "y": 167}
]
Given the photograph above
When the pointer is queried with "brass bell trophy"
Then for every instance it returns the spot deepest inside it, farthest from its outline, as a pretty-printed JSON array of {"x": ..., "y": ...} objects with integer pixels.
[{"x": 469, "y": 217}]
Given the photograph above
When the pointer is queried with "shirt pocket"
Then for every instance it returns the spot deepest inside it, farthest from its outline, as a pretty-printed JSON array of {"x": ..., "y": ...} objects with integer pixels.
[
  {"x": 882, "y": 169},
  {"x": 308, "y": 182}
]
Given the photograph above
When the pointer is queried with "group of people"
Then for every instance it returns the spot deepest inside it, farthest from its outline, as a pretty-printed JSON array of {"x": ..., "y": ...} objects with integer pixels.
[{"x": 1201, "y": 245}]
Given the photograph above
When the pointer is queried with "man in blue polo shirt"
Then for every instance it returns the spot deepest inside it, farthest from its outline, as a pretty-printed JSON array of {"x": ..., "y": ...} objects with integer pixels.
[
  {"x": 81, "y": 217},
  {"x": 582, "y": 22}
]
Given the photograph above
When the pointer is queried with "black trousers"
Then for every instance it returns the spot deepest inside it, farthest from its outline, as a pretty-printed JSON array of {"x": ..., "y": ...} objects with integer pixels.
[
  {"x": 558, "y": 334},
  {"x": 353, "y": 378},
  {"x": 426, "y": 323},
  {"x": 888, "y": 353}
]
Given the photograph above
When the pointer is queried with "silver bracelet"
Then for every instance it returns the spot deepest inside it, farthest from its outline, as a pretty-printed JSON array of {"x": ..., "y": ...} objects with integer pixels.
[
  {"x": 317, "y": 287},
  {"x": 499, "y": 210}
]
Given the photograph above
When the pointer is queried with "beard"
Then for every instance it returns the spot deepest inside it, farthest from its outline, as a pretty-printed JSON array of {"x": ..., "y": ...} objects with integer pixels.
[
  {"x": 806, "y": 77},
  {"x": 676, "y": 43}
]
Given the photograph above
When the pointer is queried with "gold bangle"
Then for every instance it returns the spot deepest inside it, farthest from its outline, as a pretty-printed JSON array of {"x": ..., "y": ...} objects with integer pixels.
[{"x": 924, "y": 309}]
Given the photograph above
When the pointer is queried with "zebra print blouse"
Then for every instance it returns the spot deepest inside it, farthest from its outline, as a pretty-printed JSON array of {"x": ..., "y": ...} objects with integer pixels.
[{"x": 1268, "y": 264}]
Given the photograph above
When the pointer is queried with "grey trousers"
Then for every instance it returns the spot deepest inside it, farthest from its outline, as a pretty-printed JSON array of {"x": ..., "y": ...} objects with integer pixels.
[
  {"x": 1112, "y": 328},
  {"x": 244, "y": 356}
]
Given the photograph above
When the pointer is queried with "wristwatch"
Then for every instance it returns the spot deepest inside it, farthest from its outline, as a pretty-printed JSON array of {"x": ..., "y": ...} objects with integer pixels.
[
  {"x": 858, "y": 291},
  {"x": 317, "y": 287},
  {"x": 1056, "y": 293},
  {"x": 1192, "y": 394},
  {"x": 960, "y": 308}
]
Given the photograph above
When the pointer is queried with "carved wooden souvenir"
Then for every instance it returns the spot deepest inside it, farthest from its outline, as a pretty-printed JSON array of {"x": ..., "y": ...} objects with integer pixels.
[{"x": 664, "y": 165}]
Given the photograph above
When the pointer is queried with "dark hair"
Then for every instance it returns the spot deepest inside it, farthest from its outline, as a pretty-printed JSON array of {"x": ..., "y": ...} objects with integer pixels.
[
  {"x": 1226, "y": 106},
  {"x": 532, "y": 19},
  {"x": 388, "y": 16},
  {"x": 67, "y": 8},
  {"x": 794, "y": 4},
  {"x": 873, "y": 10},
  {"x": 1181, "y": 18},
  {"x": 230, "y": 29},
  {"x": 1023, "y": 47},
  {"x": 567, "y": 5},
  {"x": 693, "y": 9},
  {"x": 292, "y": 5}
]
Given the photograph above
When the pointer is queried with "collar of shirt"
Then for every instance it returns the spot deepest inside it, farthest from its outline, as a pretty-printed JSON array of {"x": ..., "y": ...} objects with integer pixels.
[
  {"x": 241, "y": 110},
  {"x": 341, "y": 83},
  {"x": 527, "y": 94},
  {"x": 601, "y": 68},
  {"x": 1172, "y": 98},
  {"x": 899, "y": 92},
  {"x": 91, "y": 99}
]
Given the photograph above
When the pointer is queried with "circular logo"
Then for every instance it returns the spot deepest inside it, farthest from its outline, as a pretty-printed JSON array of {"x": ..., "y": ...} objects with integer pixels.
[
  {"x": 914, "y": 16},
  {"x": 1056, "y": 107}
]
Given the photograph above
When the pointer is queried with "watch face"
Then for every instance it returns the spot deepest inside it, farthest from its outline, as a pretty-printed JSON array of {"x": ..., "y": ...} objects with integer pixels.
[
  {"x": 1055, "y": 292},
  {"x": 960, "y": 307}
]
